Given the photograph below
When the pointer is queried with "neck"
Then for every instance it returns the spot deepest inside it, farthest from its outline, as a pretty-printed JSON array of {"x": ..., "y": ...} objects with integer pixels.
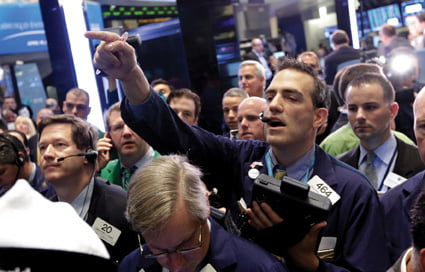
[
  {"x": 289, "y": 155},
  {"x": 130, "y": 160},
  {"x": 25, "y": 170},
  {"x": 68, "y": 190},
  {"x": 373, "y": 143},
  {"x": 340, "y": 45}
]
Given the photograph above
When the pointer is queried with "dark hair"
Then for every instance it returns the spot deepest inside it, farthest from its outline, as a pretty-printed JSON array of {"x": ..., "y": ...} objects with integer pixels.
[
  {"x": 351, "y": 72},
  {"x": 381, "y": 79},
  {"x": 188, "y": 94},
  {"x": 340, "y": 37},
  {"x": 83, "y": 134},
  {"x": 23, "y": 136},
  {"x": 388, "y": 30},
  {"x": 161, "y": 81},
  {"x": 10, "y": 147},
  {"x": 321, "y": 95},
  {"x": 421, "y": 17}
]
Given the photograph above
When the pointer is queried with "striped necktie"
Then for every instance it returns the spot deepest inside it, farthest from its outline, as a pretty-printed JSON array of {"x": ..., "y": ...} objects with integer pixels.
[
  {"x": 279, "y": 172},
  {"x": 370, "y": 170},
  {"x": 126, "y": 175}
]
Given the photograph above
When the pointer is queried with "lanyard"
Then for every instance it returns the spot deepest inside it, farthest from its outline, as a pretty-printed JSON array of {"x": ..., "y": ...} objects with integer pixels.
[
  {"x": 269, "y": 165},
  {"x": 388, "y": 169}
]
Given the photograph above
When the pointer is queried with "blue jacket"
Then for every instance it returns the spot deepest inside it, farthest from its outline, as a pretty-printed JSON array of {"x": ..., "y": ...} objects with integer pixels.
[
  {"x": 224, "y": 254},
  {"x": 396, "y": 204},
  {"x": 40, "y": 184},
  {"x": 109, "y": 202},
  {"x": 355, "y": 220}
]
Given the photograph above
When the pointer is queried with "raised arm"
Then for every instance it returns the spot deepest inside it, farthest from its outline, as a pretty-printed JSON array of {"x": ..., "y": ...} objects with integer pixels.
[{"x": 117, "y": 58}]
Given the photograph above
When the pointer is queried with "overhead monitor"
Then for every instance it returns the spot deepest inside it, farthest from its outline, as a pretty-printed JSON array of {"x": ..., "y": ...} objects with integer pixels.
[
  {"x": 410, "y": 8},
  {"x": 385, "y": 15}
]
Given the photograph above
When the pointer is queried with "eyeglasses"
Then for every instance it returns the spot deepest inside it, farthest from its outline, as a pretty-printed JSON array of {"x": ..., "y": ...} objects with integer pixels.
[
  {"x": 177, "y": 251},
  {"x": 71, "y": 106}
]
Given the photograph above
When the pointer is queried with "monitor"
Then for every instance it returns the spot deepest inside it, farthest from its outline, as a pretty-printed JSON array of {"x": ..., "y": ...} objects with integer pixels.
[
  {"x": 389, "y": 14},
  {"x": 410, "y": 8},
  {"x": 30, "y": 86},
  {"x": 363, "y": 23}
]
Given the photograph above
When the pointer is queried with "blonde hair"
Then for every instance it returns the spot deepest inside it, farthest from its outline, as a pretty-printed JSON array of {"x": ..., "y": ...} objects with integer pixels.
[
  {"x": 26, "y": 120},
  {"x": 155, "y": 190}
]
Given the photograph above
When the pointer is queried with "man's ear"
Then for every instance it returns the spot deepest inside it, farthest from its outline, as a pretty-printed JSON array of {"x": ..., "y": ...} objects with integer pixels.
[
  {"x": 394, "y": 109},
  {"x": 320, "y": 117}
]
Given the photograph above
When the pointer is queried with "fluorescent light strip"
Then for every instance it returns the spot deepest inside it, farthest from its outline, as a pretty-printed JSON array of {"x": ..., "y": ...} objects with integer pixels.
[
  {"x": 353, "y": 23},
  {"x": 82, "y": 57}
]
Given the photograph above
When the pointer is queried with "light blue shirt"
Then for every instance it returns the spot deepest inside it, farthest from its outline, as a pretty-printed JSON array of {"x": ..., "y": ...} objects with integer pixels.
[
  {"x": 386, "y": 155},
  {"x": 81, "y": 203},
  {"x": 302, "y": 169}
]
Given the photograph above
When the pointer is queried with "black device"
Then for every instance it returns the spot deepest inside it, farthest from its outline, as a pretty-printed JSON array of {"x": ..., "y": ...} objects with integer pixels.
[{"x": 291, "y": 199}]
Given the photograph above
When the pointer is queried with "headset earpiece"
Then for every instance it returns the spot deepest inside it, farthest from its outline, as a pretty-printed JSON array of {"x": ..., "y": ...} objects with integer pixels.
[{"x": 19, "y": 160}]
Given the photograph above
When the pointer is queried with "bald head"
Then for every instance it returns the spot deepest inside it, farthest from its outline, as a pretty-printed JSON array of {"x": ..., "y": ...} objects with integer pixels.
[
  {"x": 419, "y": 124},
  {"x": 249, "y": 124}
]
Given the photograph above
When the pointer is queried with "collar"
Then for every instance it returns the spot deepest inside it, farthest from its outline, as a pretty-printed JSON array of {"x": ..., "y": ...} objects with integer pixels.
[
  {"x": 149, "y": 155},
  {"x": 407, "y": 256},
  {"x": 301, "y": 169},
  {"x": 81, "y": 203},
  {"x": 384, "y": 152}
]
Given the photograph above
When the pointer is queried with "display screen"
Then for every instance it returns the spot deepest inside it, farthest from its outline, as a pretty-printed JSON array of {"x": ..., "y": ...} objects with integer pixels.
[
  {"x": 30, "y": 86},
  {"x": 410, "y": 8},
  {"x": 384, "y": 15}
]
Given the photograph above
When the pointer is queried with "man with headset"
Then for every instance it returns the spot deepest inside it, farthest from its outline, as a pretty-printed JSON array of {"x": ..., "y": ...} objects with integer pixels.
[
  {"x": 67, "y": 159},
  {"x": 15, "y": 164}
]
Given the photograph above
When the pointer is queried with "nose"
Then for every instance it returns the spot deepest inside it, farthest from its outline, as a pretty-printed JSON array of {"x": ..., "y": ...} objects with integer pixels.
[
  {"x": 244, "y": 123},
  {"x": 175, "y": 262},
  {"x": 275, "y": 106},
  {"x": 232, "y": 114},
  {"x": 126, "y": 130},
  {"x": 360, "y": 114},
  {"x": 47, "y": 153}
]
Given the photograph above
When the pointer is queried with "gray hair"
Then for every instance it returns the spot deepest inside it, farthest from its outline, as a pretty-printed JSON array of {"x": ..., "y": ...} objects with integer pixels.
[
  {"x": 259, "y": 68},
  {"x": 235, "y": 92},
  {"x": 157, "y": 187}
]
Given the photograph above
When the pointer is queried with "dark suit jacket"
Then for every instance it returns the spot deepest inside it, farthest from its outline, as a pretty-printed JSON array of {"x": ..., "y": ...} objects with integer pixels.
[
  {"x": 109, "y": 203},
  {"x": 226, "y": 162},
  {"x": 251, "y": 56},
  {"x": 397, "y": 204},
  {"x": 227, "y": 252},
  {"x": 407, "y": 164},
  {"x": 343, "y": 54}
]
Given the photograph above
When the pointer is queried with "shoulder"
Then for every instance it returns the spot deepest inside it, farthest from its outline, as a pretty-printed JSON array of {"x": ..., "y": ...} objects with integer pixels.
[
  {"x": 341, "y": 176},
  {"x": 225, "y": 250},
  {"x": 407, "y": 189},
  {"x": 134, "y": 262},
  {"x": 109, "y": 191}
]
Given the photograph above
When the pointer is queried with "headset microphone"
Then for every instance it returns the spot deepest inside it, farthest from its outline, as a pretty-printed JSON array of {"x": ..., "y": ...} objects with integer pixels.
[
  {"x": 91, "y": 155},
  {"x": 263, "y": 118}
]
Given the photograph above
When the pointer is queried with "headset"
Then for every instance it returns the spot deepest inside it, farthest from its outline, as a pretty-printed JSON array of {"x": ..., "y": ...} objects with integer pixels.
[
  {"x": 16, "y": 146},
  {"x": 90, "y": 154}
]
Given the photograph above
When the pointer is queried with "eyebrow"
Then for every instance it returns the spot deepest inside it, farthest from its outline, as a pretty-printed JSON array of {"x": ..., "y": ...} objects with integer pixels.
[{"x": 177, "y": 246}]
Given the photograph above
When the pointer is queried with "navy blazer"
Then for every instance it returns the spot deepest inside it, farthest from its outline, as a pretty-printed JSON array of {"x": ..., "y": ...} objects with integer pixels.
[
  {"x": 109, "y": 202},
  {"x": 227, "y": 252},
  {"x": 343, "y": 54},
  {"x": 355, "y": 220},
  {"x": 397, "y": 204},
  {"x": 407, "y": 164},
  {"x": 40, "y": 184}
]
